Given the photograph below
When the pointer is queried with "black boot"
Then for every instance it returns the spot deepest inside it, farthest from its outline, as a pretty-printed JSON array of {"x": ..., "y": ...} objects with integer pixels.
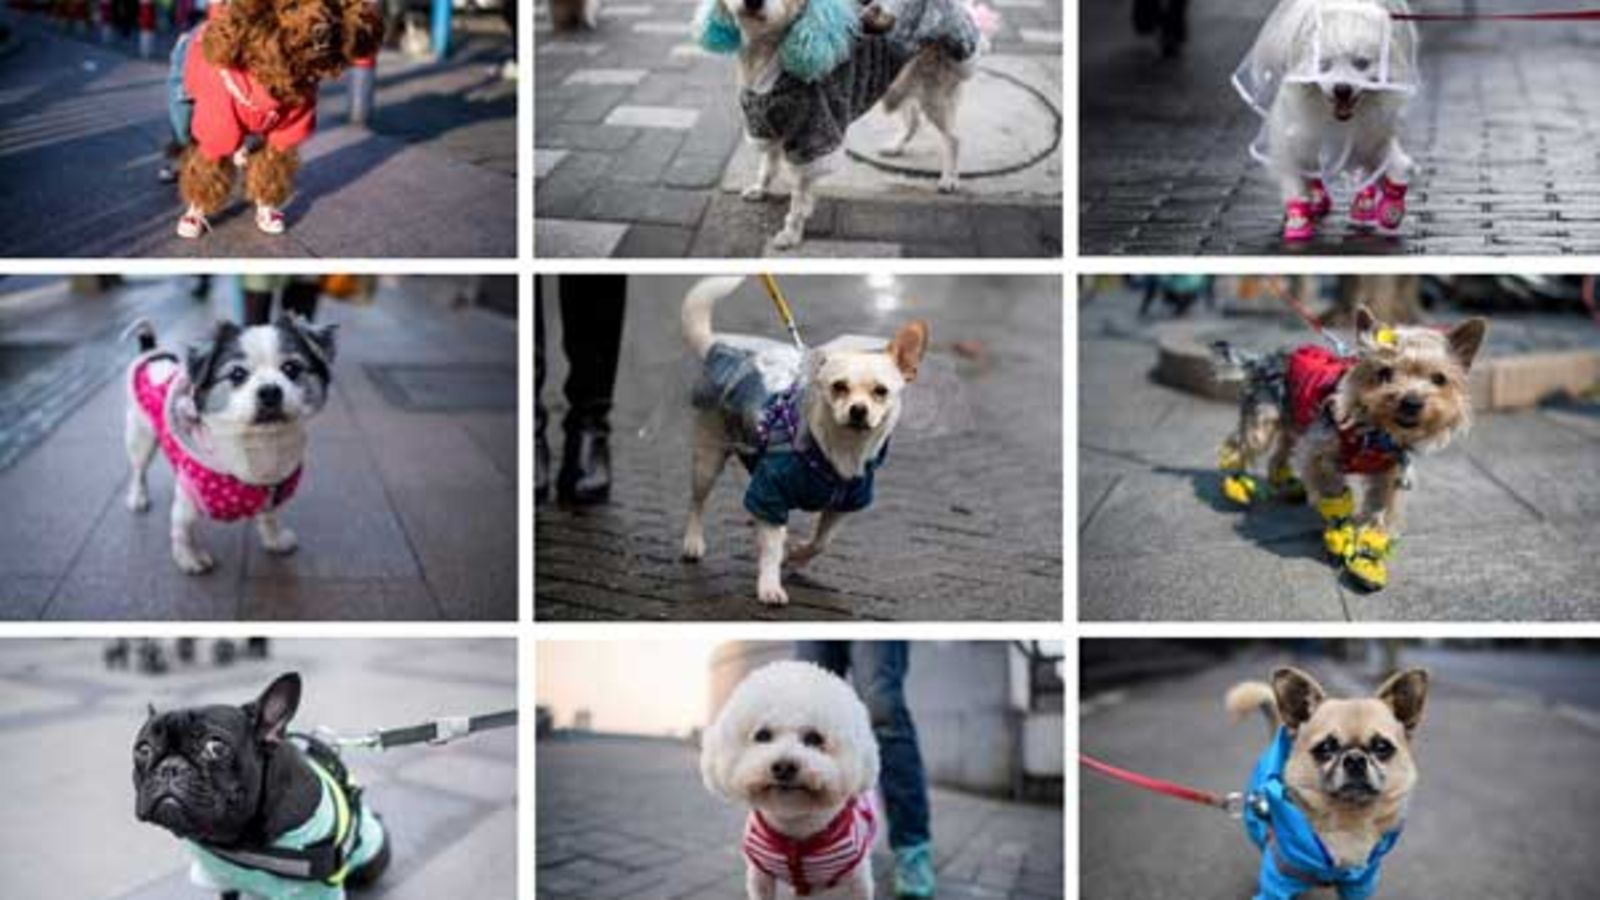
[
  {"x": 585, "y": 467},
  {"x": 1146, "y": 16},
  {"x": 541, "y": 447},
  {"x": 541, "y": 468}
]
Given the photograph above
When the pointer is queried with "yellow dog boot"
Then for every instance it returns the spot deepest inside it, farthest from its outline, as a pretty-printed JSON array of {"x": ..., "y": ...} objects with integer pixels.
[
  {"x": 1338, "y": 534},
  {"x": 1367, "y": 563},
  {"x": 1288, "y": 488},
  {"x": 1237, "y": 485}
]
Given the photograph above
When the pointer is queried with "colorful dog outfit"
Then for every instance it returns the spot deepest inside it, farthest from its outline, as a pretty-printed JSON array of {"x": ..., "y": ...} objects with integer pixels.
[
  {"x": 829, "y": 73},
  {"x": 310, "y": 861},
  {"x": 760, "y": 400},
  {"x": 1293, "y": 859},
  {"x": 217, "y": 108},
  {"x": 818, "y": 862},
  {"x": 217, "y": 494}
]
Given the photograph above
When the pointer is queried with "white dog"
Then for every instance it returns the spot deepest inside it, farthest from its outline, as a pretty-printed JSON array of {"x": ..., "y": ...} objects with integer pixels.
[
  {"x": 811, "y": 428},
  {"x": 1332, "y": 79},
  {"x": 230, "y": 416},
  {"x": 806, "y": 71},
  {"x": 794, "y": 744}
]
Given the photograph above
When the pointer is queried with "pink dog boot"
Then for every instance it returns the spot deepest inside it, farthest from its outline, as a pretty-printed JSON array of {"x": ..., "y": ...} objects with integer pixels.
[
  {"x": 1364, "y": 209},
  {"x": 1392, "y": 208},
  {"x": 1298, "y": 224},
  {"x": 1321, "y": 201}
]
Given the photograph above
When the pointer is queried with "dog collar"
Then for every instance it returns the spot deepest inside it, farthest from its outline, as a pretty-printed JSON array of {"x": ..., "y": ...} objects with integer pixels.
[{"x": 819, "y": 861}]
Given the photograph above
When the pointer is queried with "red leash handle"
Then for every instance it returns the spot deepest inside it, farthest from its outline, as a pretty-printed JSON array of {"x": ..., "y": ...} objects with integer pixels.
[
  {"x": 1193, "y": 795},
  {"x": 1575, "y": 15}
]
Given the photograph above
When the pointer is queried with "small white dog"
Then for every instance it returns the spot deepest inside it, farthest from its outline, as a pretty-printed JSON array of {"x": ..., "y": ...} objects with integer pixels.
[
  {"x": 806, "y": 71},
  {"x": 794, "y": 744},
  {"x": 1332, "y": 79},
  {"x": 230, "y": 415},
  {"x": 812, "y": 428}
]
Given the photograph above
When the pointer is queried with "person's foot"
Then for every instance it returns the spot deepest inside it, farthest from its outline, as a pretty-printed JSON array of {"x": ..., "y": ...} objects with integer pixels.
[
  {"x": 585, "y": 467},
  {"x": 541, "y": 469},
  {"x": 913, "y": 871},
  {"x": 167, "y": 174},
  {"x": 1146, "y": 16}
]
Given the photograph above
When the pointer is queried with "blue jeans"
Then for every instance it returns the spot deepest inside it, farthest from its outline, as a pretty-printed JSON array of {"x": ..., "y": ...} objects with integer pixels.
[{"x": 878, "y": 670}]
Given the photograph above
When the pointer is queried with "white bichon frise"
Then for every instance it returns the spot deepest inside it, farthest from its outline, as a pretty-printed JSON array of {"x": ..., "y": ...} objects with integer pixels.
[
  {"x": 1332, "y": 78},
  {"x": 794, "y": 744}
]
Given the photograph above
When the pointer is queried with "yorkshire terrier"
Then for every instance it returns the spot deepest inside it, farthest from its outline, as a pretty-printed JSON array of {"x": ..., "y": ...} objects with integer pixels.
[{"x": 1325, "y": 417}]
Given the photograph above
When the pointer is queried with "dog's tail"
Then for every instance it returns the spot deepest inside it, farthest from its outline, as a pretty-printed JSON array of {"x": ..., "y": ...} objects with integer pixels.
[
  {"x": 1231, "y": 363},
  {"x": 144, "y": 332},
  {"x": 697, "y": 306},
  {"x": 1252, "y": 696}
]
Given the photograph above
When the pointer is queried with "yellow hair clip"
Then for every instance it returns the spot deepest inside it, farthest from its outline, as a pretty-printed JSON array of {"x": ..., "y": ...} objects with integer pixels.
[{"x": 1385, "y": 336}]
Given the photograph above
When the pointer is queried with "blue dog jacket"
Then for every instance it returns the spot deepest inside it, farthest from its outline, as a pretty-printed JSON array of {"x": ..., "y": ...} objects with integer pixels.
[
  {"x": 1293, "y": 859},
  {"x": 787, "y": 469},
  {"x": 352, "y": 827}
]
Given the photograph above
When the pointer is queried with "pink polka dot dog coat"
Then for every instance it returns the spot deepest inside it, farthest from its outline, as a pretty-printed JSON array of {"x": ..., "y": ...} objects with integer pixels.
[{"x": 217, "y": 494}]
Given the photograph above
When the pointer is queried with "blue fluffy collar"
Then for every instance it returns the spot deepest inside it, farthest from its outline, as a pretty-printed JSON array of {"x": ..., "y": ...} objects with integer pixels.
[{"x": 817, "y": 42}]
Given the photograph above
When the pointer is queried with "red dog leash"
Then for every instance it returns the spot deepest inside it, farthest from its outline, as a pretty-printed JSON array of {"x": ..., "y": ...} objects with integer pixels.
[{"x": 1229, "y": 803}]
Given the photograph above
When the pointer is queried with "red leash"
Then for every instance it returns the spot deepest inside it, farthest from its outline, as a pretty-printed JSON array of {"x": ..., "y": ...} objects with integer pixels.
[
  {"x": 1193, "y": 795},
  {"x": 1576, "y": 15}
]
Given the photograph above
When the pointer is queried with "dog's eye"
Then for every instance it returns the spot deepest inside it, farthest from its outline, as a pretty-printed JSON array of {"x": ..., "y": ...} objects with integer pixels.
[
  {"x": 763, "y": 735},
  {"x": 214, "y": 750},
  {"x": 1325, "y": 750},
  {"x": 143, "y": 753},
  {"x": 1439, "y": 380},
  {"x": 813, "y": 739},
  {"x": 1385, "y": 375},
  {"x": 1381, "y": 748},
  {"x": 237, "y": 375},
  {"x": 1361, "y": 63},
  {"x": 881, "y": 392},
  {"x": 292, "y": 370},
  {"x": 841, "y": 387},
  {"x": 1327, "y": 65}
]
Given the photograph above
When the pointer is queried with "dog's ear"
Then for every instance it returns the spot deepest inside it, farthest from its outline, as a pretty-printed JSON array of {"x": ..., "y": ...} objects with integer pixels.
[
  {"x": 715, "y": 31},
  {"x": 320, "y": 341},
  {"x": 1405, "y": 693},
  {"x": 821, "y": 39},
  {"x": 227, "y": 33},
  {"x": 1371, "y": 333},
  {"x": 150, "y": 711},
  {"x": 713, "y": 744},
  {"x": 1466, "y": 338},
  {"x": 363, "y": 30},
  {"x": 1298, "y": 696},
  {"x": 200, "y": 360},
  {"x": 910, "y": 344},
  {"x": 271, "y": 712}
]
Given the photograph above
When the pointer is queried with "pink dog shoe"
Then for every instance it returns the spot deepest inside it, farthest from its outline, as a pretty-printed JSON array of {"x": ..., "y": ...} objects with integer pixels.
[
  {"x": 1298, "y": 224},
  {"x": 269, "y": 219},
  {"x": 1364, "y": 209},
  {"x": 1392, "y": 208},
  {"x": 1321, "y": 202}
]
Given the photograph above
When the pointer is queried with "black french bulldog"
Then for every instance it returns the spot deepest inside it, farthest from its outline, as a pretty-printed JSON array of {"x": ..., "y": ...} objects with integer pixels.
[{"x": 229, "y": 780}]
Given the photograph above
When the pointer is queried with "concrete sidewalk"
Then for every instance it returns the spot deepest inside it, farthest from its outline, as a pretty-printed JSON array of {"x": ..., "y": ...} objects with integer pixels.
[
  {"x": 408, "y": 506},
  {"x": 1504, "y": 805},
  {"x": 1501, "y": 132},
  {"x": 1499, "y": 527},
  {"x": 628, "y": 817},
  {"x": 67, "y": 726},
  {"x": 82, "y": 127},
  {"x": 966, "y": 520},
  {"x": 639, "y": 151}
]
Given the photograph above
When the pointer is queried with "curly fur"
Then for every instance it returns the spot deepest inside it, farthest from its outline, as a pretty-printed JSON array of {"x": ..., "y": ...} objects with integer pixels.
[
  {"x": 205, "y": 183},
  {"x": 820, "y": 38},
  {"x": 269, "y": 178}
]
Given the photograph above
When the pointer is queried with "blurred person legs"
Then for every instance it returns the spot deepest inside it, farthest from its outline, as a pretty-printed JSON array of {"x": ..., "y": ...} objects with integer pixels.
[
  {"x": 591, "y": 337},
  {"x": 1168, "y": 17},
  {"x": 878, "y": 670},
  {"x": 296, "y": 294}
]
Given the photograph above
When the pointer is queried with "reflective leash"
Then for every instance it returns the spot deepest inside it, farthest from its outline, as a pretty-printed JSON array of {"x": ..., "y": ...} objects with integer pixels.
[
  {"x": 1572, "y": 15},
  {"x": 436, "y": 732},
  {"x": 784, "y": 313},
  {"x": 1233, "y": 803}
]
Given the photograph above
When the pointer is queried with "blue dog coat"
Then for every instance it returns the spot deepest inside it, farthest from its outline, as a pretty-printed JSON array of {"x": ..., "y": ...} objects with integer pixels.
[
  {"x": 352, "y": 827},
  {"x": 1293, "y": 859},
  {"x": 759, "y": 399}
]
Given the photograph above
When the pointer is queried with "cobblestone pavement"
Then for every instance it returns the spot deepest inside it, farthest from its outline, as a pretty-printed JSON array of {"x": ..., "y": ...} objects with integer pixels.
[
  {"x": 407, "y": 511},
  {"x": 636, "y": 133},
  {"x": 1498, "y": 527},
  {"x": 82, "y": 127},
  {"x": 964, "y": 525},
  {"x": 67, "y": 724},
  {"x": 628, "y": 817},
  {"x": 1486, "y": 755},
  {"x": 1503, "y": 133}
]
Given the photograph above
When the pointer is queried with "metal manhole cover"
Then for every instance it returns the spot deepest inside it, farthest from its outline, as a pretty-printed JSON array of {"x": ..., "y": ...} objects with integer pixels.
[
  {"x": 1005, "y": 124},
  {"x": 447, "y": 388}
]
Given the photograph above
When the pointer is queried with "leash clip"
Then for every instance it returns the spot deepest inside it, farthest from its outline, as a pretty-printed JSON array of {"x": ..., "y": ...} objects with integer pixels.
[
  {"x": 369, "y": 741},
  {"x": 1235, "y": 804},
  {"x": 449, "y": 728}
]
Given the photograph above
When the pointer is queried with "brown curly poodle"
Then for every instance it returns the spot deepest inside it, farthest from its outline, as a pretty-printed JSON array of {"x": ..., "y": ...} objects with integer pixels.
[{"x": 252, "y": 70}]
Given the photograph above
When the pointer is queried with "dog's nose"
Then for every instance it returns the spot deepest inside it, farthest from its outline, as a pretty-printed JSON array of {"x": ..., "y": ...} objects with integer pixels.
[
  {"x": 858, "y": 414},
  {"x": 269, "y": 396},
  {"x": 1411, "y": 406},
  {"x": 1343, "y": 92},
  {"x": 785, "y": 770},
  {"x": 753, "y": 6},
  {"x": 1355, "y": 765}
]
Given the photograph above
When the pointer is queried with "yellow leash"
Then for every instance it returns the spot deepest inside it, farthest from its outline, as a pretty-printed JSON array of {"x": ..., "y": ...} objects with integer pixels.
[{"x": 784, "y": 313}]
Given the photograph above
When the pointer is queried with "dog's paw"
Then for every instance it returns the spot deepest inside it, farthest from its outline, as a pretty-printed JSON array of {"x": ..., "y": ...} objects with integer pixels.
[
  {"x": 803, "y": 554},
  {"x": 282, "y": 543},
  {"x": 787, "y": 239},
  {"x": 949, "y": 184},
  {"x": 138, "y": 500},
  {"x": 772, "y": 593},
  {"x": 192, "y": 560},
  {"x": 694, "y": 547},
  {"x": 755, "y": 193}
]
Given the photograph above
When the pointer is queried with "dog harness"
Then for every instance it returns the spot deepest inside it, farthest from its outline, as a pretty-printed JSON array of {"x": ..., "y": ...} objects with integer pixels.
[
  {"x": 227, "y": 105},
  {"x": 1293, "y": 858},
  {"x": 310, "y": 861},
  {"x": 788, "y": 471},
  {"x": 818, "y": 862},
  {"x": 217, "y": 494},
  {"x": 1312, "y": 375}
]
